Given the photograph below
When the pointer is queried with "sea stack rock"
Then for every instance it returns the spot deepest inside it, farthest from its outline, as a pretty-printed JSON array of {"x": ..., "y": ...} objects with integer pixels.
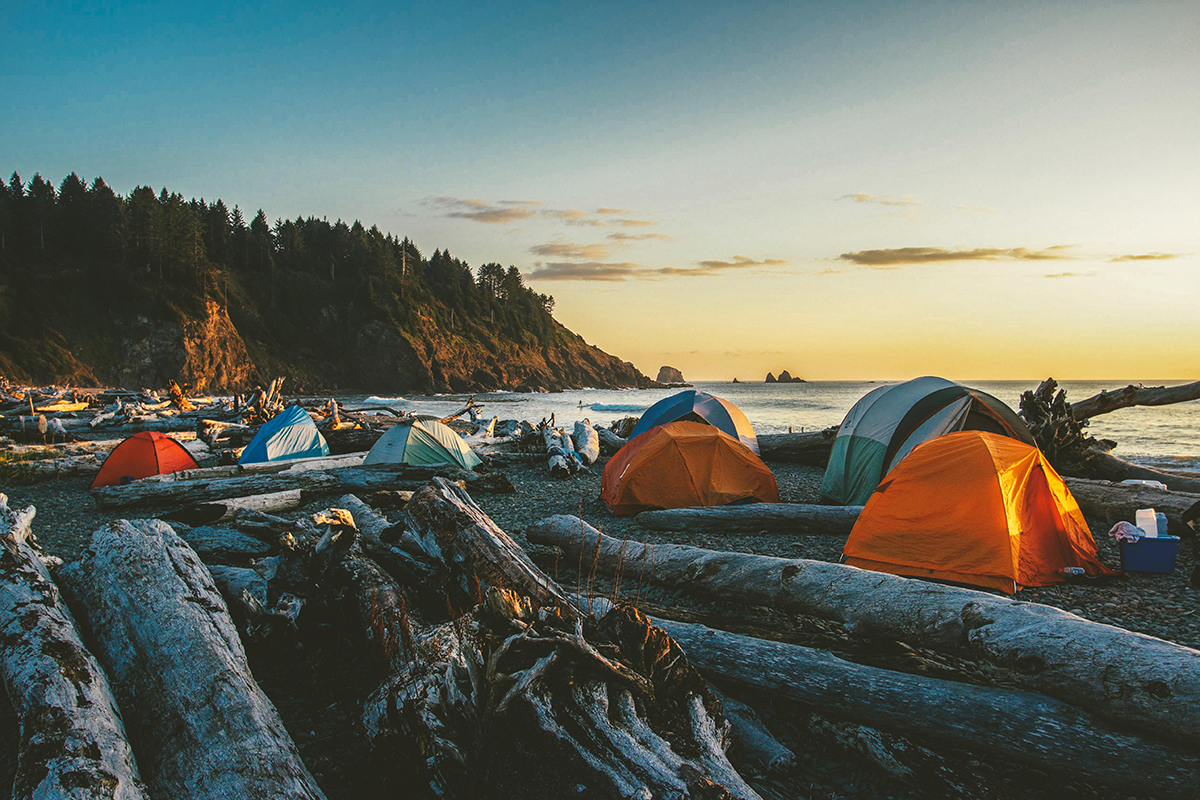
[
  {"x": 669, "y": 375},
  {"x": 771, "y": 378}
]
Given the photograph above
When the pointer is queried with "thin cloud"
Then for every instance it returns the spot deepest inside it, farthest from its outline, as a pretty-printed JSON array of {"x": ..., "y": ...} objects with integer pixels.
[
  {"x": 739, "y": 262},
  {"x": 571, "y": 250},
  {"x": 633, "y": 223},
  {"x": 974, "y": 208},
  {"x": 1147, "y": 257},
  {"x": 610, "y": 211},
  {"x": 603, "y": 271},
  {"x": 583, "y": 271},
  {"x": 478, "y": 210},
  {"x": 1071, "y": 275},
  {"x": 882, "y": 199},
  {"x": 929, "y": 255},
  {"x": 639, "y": 237}
]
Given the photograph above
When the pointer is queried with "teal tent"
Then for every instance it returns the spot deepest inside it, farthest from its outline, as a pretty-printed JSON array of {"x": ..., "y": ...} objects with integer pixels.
[
  {"x": 890, "y": 421},
  {"x": 290, "y": 434},
  {"x": 422, "y": 441}
]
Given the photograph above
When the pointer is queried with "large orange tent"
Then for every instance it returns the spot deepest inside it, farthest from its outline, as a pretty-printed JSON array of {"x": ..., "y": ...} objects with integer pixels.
[
  {"x": 684, "y": 464},
  {"x": 975, "y": 508},
  {"x": 142, "y": 455}
]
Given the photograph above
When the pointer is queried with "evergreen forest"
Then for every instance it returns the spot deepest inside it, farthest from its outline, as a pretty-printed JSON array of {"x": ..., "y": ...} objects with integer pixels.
[{"x": 90, "y": 280}]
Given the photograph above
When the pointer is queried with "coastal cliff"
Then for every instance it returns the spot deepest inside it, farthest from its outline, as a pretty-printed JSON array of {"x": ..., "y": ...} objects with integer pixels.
[{"x": 100, "y": 288}]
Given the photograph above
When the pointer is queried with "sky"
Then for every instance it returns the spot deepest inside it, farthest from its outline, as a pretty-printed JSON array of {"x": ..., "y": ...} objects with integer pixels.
[{"x": 858, "y": 191}]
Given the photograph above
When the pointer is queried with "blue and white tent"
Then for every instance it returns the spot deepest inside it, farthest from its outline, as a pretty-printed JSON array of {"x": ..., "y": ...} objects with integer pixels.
[{"x": 291, "y": 434}]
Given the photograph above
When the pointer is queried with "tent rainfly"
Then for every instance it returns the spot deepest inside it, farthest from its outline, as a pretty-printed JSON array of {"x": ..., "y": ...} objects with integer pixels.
[
  {"x": 422, "y": 441},
  {"x": 975, "y": 508},
  {"x": 289, "y": 434},
  {"x": 142, "y": 455},
  {"x": 888, "y": 422},
  {"x": 683, "y": 464},
  {"x": 699, "y": 407}
]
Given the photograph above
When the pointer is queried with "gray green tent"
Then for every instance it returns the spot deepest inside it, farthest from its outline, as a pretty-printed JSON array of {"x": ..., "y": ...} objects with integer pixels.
[
  {"x": 422, "y": 441},
  {"x": 888, "y": 422}
]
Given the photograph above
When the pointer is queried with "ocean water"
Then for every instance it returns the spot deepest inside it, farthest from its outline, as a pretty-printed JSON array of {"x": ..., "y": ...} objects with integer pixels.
[{"x": 1163, "y": 436}]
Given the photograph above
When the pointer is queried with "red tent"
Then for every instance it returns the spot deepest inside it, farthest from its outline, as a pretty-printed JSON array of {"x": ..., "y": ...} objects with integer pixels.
[{"x": 142, "y": 455}]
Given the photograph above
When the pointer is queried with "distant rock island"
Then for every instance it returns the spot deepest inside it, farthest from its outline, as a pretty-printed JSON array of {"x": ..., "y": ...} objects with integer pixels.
[
  {"x": 98, "y": 288},
  {"x": 669, "y": 376},
  {"x": 784, "y": 377}
]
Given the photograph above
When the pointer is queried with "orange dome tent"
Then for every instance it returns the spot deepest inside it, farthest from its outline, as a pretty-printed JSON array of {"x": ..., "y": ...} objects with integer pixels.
[
  {"x": 684, "y": 464},
  {"x": 142, "y": 455},
  {"x": 975, "y": 508}
]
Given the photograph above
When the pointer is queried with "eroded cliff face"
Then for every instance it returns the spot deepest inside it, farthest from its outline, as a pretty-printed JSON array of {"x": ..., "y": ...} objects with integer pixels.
[
  {"x": 207, "y": 354},
  {"x": 434, "y": 360}
]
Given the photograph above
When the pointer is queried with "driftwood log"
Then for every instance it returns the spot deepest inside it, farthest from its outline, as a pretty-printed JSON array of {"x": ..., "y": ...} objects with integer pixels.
[
  {"x": 1058, "y": 427},
  {"x": 1113, "y": 502},
  {"x": 1131, "y": 395},
  {"x": 72, "y": 741},
  {"x": 225, "y": 510},
  {"x": 789, "y": 518},
  {"x": 610, "y": 443},
  {"x": 586, "y": 441},
  {"x": 810, "y": 448},
  {"x": 511, "y": 690},
  {"x": 315, "y": 464},
  {"x": 559, "y": 451},
  {"x": 1119, "y": 675},
  {"x": 202, "y": 726},
  {"x": 145, "y": 493},
  {"x": 1037, "y": 731}
]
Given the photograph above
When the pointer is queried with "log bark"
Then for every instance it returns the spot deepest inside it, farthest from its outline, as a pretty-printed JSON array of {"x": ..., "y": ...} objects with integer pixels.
[
  {"x": 140, "y": 494},
  {"x": 1113, "y": 502},
  {"x": 587, "y": 442},
  {"x": 1119, "y": 675},
  {"x": 224, "y": 545},
  {"x": 72, "y": 740},
  {"x": 559, "y": 462},
  {"x": 318, "y": 463},
  {"x": 353, "y": 440},
  {"x": 144, "y": 493},
  {"x": 201, "y": 725},
  {"x": 787, "y": 518},
  {"x": 1037, "y": 731},
  {"x": 810, "y": 448},
  {"x": 1131, "y": 395},
  {"x": 755, "y": 739},
  {"x": 227, "y": 509}
]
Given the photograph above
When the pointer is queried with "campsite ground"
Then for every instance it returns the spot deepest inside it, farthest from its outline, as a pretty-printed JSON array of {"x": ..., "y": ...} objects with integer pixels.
[{"x": 317, "y": 690}]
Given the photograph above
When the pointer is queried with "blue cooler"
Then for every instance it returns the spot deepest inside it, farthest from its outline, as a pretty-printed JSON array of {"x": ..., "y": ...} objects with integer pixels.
[{"x": 1150, "y": 555}]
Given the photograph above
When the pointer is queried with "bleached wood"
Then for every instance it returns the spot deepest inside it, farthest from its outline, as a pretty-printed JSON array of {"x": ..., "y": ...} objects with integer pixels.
[
  {"x": 1037, "y": 731},
  {"x": 154, "y": 493},
  {"x": 812, "y": 447},
  {"x": 589, "y": 729},
  {"x": 263, "y": 468},
  {"x": 1113, "y": 502},
  {"x": 587, "y": 442},
  {"x": 1131, "y": 395},
  {"x": 225, "y": 510},
  {"x": 558, "y": 464},
  {"x": 610, "y": 443},
  {"x": 1119, "y": 675},
  {"x": 756, "y": 740},
  {"x": 162, "y": 631},
  {"x": 72, "y": 741},
  {"x": 784, "y": 518}
]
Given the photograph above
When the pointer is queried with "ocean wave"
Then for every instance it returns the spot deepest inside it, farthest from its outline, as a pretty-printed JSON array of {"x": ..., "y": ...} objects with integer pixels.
[
  {"x": 385, "y": 400},
  {"x": 616, "y": 407}
]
